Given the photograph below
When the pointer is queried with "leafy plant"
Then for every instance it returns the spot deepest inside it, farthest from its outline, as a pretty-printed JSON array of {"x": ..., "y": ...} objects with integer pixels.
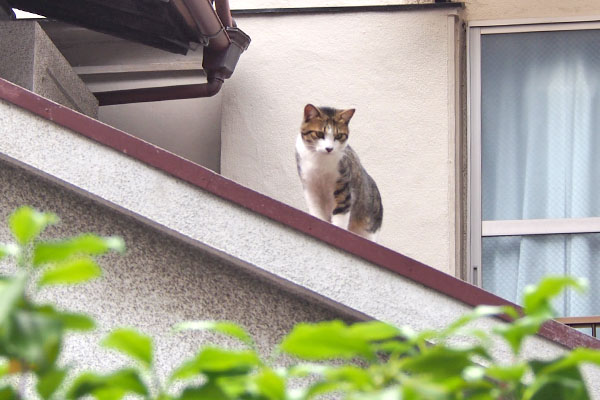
[
  {"x": 31, "y": 334},
  {"x": 369, "y": 360}
]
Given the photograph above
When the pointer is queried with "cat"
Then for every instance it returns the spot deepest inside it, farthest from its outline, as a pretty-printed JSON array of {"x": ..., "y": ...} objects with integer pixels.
[{"x": 336, "y": 187}]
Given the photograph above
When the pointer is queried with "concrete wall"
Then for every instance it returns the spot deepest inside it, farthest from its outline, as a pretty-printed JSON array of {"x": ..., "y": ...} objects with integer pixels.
[
  {"x": 159, "y": 282},
  {"x": 29, "y": 59},
  {"x": 518, "y": 9},
  {"x": 397, "y": 70}
]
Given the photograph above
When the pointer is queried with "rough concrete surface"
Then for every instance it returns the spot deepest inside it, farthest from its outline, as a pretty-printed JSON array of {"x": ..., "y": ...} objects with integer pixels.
[
  {"x": 158, "y": 282},
  {"x": 30, "y": 60}
]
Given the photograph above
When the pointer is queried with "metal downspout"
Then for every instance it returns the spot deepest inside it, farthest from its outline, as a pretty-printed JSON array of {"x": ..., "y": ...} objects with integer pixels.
[
  {"x": 142, "y": 95},
  {"x": 208, "y": 21},
  {"x": 216, "y": 62}
]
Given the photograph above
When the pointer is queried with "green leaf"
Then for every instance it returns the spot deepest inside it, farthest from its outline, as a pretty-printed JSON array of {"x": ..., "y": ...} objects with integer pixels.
[
  {"x": 225, "y": 327},
  {"x": 26, "y": 223},
  {"x": 84, "y": 385},
  {"x": 9, "y": 249},
  {"x": 479, "y": 312},
  {"x": 112, "y": 386},
  {"x": 49, "y": 382},
  {"x": 391, "y": 393},
  {"x": 394, "y": 347},
  {"x": 109, "y": 393},
  {"x": 418, "y": 388},
  {"x": 473, "y": 373},
  {"x": 325, "y": 341},
  {"x": 355, "y": 378},
  {"x": 128, "y": 380},
  {"x": 33, "y": 338},
  {"x": 234, "y": 386},
  {"x": 76, "y": 322},
  {"x": 186, "y": 370},
  {"x": 69, "y": 321},
  {"x": 563, "y": 383},
  {"x": 216, "y": 360},
  {"x": 442, "y": 362},
  {"x": 573, "y": 359},
  {"x": 132, "y": 344},
  {"x": 8, "y": 393},
  {"x": 213, "y": 359},
  {"x": 4, "y": 368},
  {"x": 71, "y": 272},
  {"x": 508, "y": 373},
  {"x": 209, "y": 391},
  {"x": 320, "y": 388},
  {"x": 515, "y": 332},
  {"x": 90, "y": 245},
  {"x": 536, "y": 299},
  {"x": 11, "y": 291},
  {"x": 373, "y": 330},
  {"x": 270, "y": 385}
]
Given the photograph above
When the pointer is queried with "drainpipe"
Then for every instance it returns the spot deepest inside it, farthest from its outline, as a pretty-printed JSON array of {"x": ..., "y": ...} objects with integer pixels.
[
  {"x": 208, "y": 21},
  {"x": 223, "y": 47},
  {"x": 224, "y": 12},
  {"x": 207, "y": 89}
]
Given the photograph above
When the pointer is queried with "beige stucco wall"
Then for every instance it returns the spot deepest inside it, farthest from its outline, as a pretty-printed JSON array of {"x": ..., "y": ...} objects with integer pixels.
[
  {"x": 394, "y": 68},
  {"x": 517, "y": 9}
]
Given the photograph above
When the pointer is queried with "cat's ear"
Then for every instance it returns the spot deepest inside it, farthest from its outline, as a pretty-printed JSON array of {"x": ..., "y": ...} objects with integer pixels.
[
  {"x": 311, "y": 112},
  {"x": 346, "y": 115}
]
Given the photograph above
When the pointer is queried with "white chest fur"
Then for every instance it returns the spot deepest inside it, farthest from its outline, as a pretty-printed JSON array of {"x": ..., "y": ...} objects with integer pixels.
[{"x": 319, "y": 174}]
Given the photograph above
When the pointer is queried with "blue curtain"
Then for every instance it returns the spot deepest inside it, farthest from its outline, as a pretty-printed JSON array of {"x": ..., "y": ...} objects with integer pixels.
[{"x": 541, "y": 158}]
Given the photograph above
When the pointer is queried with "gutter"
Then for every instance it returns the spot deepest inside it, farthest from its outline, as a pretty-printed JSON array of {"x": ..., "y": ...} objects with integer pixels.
[{"x": 224, "y": 43}]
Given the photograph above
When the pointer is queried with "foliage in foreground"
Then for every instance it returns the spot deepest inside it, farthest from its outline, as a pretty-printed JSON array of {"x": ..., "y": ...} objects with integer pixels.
[{"x": 370, "y": 360}]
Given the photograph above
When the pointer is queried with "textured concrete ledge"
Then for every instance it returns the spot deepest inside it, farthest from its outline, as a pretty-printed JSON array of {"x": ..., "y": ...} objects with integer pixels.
[
  {"x": 36, "y": 64},
  {"x": 293, "y": 260},
  {"x": 158, "y": 282}
]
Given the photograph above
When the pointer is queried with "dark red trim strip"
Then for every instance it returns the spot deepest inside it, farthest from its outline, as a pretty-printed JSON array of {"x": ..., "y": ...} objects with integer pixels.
[{"x": 236, "y": 193}]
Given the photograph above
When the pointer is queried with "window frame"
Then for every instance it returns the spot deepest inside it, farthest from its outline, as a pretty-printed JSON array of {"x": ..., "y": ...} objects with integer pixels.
[{"x": 477, "y": 228}]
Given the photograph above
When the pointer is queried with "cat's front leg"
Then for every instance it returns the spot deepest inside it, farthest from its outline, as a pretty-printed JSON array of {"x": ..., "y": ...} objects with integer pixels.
[
  {"x": 342, "y": 199},
  {"x": 316, "y": 207},
  {"x": 341, "y": 220}
]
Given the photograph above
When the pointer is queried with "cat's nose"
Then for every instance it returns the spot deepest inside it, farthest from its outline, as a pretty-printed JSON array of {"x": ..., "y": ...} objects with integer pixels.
[{"x": 329, "y": 149}]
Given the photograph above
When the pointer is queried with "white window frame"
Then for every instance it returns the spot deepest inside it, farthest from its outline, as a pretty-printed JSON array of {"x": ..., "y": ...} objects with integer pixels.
[{"x": 478, "y": 229}]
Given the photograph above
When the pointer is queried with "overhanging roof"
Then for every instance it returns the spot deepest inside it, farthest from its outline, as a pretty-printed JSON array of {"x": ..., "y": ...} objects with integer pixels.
[
  {"x": 172, "y": 25},
  {"x": 155, "y": 23}
]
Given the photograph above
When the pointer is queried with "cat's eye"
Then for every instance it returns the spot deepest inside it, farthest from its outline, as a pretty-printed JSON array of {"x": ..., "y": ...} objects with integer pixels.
[
  {"x": 320, "y": 135},
  {"x": 340, "y": 136}
]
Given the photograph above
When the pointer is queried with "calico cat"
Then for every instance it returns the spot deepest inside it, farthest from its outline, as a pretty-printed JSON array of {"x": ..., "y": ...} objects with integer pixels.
[{"x": 336, "y": 187}]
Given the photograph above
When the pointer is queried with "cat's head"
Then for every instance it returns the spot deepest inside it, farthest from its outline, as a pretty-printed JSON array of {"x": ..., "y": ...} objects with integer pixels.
[{"x": 324, "y": 129}]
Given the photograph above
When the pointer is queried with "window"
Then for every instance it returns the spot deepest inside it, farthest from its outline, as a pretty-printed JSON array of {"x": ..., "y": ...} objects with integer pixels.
[{"x": 534, "y": 127}]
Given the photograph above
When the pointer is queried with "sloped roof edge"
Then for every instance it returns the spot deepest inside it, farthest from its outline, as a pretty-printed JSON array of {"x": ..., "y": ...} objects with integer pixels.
[
  {"x": 348, "y": 9},
  {"x": 275, "y": 210}
]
